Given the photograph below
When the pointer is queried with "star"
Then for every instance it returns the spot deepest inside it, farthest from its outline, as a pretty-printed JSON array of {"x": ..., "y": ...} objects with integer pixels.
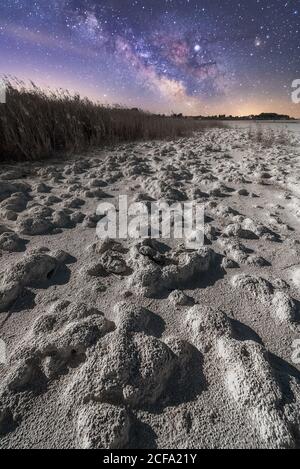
[{"x": 257, "y": 42}]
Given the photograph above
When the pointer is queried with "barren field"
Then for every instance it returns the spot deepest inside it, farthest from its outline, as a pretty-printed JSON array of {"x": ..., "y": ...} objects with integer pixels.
[{"x": 144, "y": 344}]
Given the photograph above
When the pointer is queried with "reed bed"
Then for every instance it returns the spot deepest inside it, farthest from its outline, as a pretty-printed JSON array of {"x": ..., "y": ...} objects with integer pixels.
[{"x": 37, "y": 124}]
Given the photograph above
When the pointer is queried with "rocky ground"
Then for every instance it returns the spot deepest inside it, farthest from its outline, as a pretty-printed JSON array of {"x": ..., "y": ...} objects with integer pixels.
[{"x": 141, "y": 344}]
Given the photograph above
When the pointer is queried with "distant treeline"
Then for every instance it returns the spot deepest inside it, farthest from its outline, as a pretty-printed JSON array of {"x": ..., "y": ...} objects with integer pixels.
[{"x": 267, "y": 116}]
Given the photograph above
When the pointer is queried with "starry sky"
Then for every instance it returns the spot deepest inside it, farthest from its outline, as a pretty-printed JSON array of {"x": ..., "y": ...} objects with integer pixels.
[{"x": 190, "y": 56}]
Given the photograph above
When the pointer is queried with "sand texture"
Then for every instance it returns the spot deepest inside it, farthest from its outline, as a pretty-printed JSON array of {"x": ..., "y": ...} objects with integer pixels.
[{"x": 143, "y": 343}]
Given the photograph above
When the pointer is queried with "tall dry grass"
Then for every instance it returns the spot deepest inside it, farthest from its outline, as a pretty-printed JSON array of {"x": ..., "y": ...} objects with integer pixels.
[
  {"x": 269, "y": 138},
  {"x": 35, "y": 124}
]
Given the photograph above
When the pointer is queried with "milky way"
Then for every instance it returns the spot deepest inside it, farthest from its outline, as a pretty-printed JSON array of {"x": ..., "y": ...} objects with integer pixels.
[{"x": 190, "y": 56}]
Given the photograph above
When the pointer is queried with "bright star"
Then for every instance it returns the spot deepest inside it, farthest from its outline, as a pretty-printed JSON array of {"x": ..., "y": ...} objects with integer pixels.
[{"x": 257, "y": 42}]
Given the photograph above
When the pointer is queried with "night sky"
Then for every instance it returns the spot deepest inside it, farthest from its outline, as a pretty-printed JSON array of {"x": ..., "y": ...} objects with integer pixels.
[{"x": 190, "y": 56}]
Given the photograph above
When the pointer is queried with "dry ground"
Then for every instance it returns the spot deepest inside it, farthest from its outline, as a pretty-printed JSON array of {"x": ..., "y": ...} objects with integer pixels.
[{"x": 141, "y": 344}]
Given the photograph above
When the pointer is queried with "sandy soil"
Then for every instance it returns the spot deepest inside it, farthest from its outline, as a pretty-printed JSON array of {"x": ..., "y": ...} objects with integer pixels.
[{"x": 140, "y": 344}]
